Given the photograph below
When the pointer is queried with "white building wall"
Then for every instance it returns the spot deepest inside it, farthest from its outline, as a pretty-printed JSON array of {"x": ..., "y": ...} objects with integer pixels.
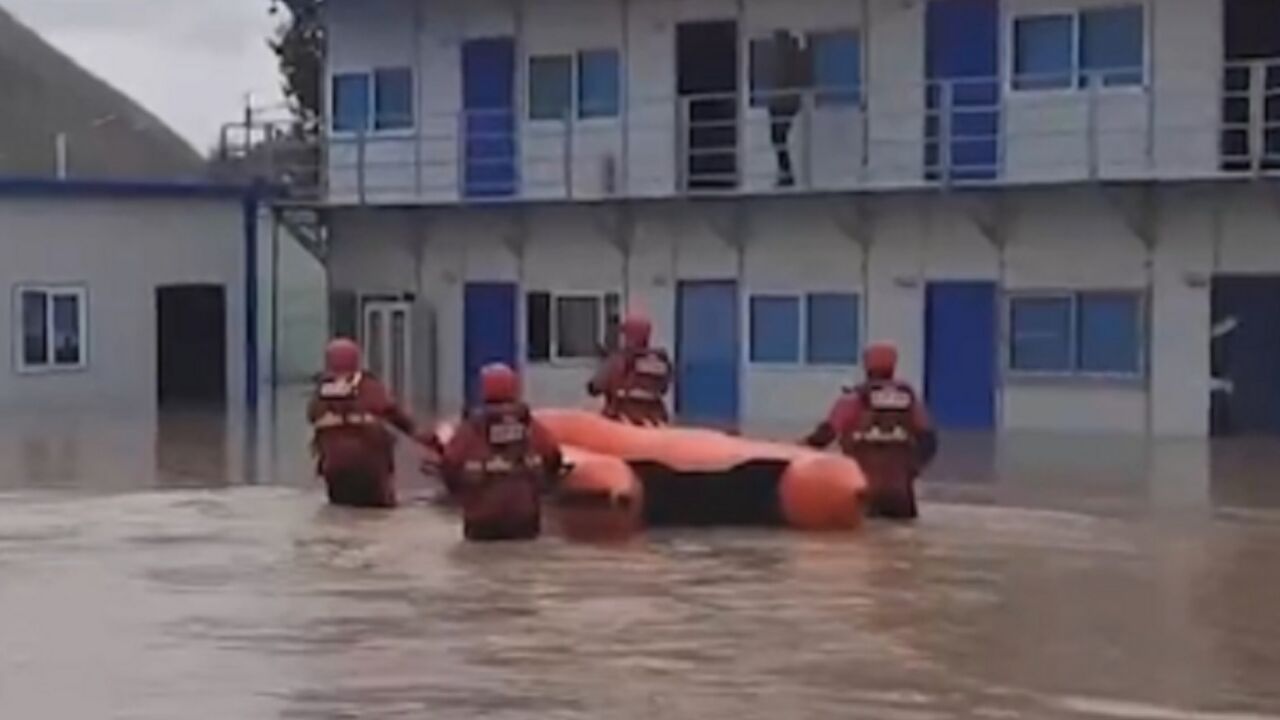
[
  {"x": 1167, "y": 129},
  {"x": 1187, "y": 52},
  {"x": 568, "y": 251},
  {"x": 796, "y": 248},
  {"x": 364, "y": 36},
  {"x": 1180, "y": 312},
  {"x": 120, "y": 251},
  {"x": 894, "y": 73},
  {"x": 894, "y": 300},
  {"x": 1072, "y": 240},
  {"x": 1053, "y": 240}
]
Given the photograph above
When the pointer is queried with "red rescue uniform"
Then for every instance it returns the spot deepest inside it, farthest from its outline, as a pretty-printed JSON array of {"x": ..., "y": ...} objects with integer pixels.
[
  {"x": 635, "y": 383},
  {"x": 883, "y": 425},
  {"x": 354, "y": 449},
  {"x": 498, "y": 464}
]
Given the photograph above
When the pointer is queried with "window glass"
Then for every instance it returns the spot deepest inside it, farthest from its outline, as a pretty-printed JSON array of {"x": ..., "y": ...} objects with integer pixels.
[
  {"x": 1111, "y": 46},
  {"x": 35, "y": 328},
  {"x": 538, "y": 326},
  {"x": 1043, "y": 52},
  {"x": 775, "y": 329},
  {"x": 833, "y": 329},
  {"x": 1040, "y": 330},
  {"x": 837, "y": 67},
  {"x": 393, "y": 95},
  {"x": 351, "y": 102},
  {"x": 1110, "y": 333},
  {"x": 550, "y": 87},
  {"x": 66, "y": 330},
  {"x": 598, "y": 83},
  {"x": 578, "y": 324}
]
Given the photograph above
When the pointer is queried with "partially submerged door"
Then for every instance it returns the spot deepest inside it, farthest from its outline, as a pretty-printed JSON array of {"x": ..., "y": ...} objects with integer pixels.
[
  {"x": 489, "y": 334},
  {"x": 960, "y": 354},
  {"x": 707, "y": 353},
  {"x": 388, "y": 345},
  {"x": 191, "y": 346},
  {"x": 1245, "y": 355}
]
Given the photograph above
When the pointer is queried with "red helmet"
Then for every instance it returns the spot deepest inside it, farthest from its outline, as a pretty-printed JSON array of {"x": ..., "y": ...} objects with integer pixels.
[
  {"x": 342, "y": 357},
  {"x": 636, "y": 330},
  {"x": 499, "y": 384},
  {"x": 880, "y": 360}
]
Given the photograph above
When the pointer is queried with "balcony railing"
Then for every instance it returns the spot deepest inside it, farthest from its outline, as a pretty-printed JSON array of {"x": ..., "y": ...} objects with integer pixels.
[{"x": 1222, "y": 122}]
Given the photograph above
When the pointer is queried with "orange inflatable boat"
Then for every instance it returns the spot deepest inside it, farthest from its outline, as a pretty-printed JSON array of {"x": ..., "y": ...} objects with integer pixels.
[
  {"x": 622, "y": 478},
  {"x": 684, "y": 476}
]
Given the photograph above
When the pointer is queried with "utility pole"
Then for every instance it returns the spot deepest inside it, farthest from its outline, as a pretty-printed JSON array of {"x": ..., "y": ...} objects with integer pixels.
[{"x": 248, "y": 124}]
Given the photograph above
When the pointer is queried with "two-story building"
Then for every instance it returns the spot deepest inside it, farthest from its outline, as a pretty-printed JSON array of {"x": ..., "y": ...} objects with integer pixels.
[{"x": 1060, "y": 210}]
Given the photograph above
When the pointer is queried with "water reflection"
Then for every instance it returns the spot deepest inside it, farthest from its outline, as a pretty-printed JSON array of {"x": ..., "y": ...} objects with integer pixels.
[{"x": 1049, "y": 578}]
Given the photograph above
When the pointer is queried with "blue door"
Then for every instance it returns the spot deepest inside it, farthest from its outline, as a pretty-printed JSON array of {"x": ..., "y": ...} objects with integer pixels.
[
  {"x": 489, "y": 333},
  {"x": 489, "y": 121},
  {"x": 962, "y": 58},
  {"x": 960, "y": 354},
  {"x": 707, "y": 353},
  {"x": 1245, "y": 355}
]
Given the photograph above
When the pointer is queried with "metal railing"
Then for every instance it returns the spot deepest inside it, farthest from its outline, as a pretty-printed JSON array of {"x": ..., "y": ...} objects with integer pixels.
[{"x": 1119, "y": 125}]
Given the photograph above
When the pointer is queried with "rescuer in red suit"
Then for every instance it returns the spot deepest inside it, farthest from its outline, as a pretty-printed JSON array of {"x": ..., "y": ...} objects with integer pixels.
[
  {"x": 500, "y": 461},
  {"x": 349, "y": 414},
  {"x": 883, "y": 425},
  {"x": 636, "y": 378}
]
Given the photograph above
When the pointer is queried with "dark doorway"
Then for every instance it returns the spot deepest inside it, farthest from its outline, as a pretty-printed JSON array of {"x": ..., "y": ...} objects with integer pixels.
[
  {"x": 191, "y": 346},
  {"x": 1251, "y": 85},
  {"x": 1245, "y": 356},
  {"x": 707, "y": 68}
]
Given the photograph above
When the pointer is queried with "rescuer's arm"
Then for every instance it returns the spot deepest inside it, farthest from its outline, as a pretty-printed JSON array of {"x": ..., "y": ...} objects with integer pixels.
[
  {"x": 926, "y": 434},
  {"x": 545, "y": 445},
  {"x": 842, "y": 413},
  {"x": 602, "y": 382}
]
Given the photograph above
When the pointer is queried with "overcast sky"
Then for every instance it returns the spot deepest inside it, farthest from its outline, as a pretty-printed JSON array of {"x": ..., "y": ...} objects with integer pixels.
[{"x": 188, "y": 61}]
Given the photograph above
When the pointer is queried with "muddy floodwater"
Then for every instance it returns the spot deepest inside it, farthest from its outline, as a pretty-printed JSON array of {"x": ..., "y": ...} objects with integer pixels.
[{"x": 184, "y": 568}]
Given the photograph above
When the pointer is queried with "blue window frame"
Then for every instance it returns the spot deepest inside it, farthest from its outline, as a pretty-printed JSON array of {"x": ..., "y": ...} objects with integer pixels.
[
  {"x": 393, "y": 98},
  {"x": 599, "y": 79},
  {"x": 837, "y": 67},
  {"x": 833, "y": 329},
  {"x": 775, "y": 329},
  {"x": 1081, "y": 333},
  {"x": 351, "y": 95},
  {"x": 1043, "y": 52},
  {"x": 1112, "y": 46},
  {"x": 550, "y": 87}
]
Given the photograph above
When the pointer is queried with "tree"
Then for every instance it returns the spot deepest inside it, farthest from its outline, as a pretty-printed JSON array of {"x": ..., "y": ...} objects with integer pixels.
[{"x": 299, "y": 46}]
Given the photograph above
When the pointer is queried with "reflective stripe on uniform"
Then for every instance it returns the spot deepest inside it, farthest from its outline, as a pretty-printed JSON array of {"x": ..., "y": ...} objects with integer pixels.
[
  {"x": 877, "y": 435},
  {"x": 332, "y": 420}
]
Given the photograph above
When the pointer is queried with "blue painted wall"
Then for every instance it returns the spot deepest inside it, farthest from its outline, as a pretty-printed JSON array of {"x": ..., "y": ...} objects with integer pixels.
[
  {"x": 489, "y": 330},
  {"x": 708, "y": 352},
  {"x": 488, "y": 97},
  {"x": 962, "y": 42},
  {"x": 960, "y": 354}
]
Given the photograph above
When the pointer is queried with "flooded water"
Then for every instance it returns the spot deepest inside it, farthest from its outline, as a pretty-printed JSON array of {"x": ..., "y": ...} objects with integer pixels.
[{"x": 158, "y": 570}]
